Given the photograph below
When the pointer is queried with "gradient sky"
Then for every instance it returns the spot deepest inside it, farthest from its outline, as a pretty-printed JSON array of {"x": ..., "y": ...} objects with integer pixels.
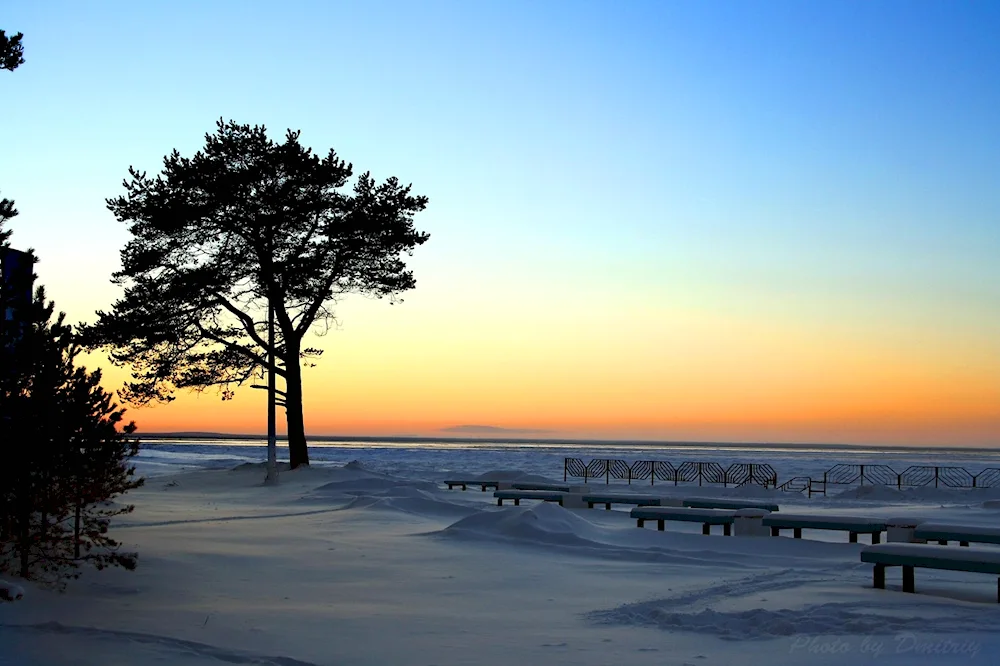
[{"x": 741, "y": 221}]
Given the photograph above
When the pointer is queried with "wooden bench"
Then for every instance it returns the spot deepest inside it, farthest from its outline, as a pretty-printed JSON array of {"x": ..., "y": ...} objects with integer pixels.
[
  {"x": 963, "y": 534},
  {"x": 854, "y": 525},
  {"x": 607, "y": 499},
  {"x": 910, "y": 556},
  {"x": 518, "y": 495},
  {"x": 465, "y": 483},
  {"x": 713, "y": 503},
  {"x": 707, "y": 517},
  {"x": 560, "y": 487}
]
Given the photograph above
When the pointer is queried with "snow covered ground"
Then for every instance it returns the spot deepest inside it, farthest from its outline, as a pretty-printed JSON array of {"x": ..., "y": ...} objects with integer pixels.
[{"x": 362, "y": 564}]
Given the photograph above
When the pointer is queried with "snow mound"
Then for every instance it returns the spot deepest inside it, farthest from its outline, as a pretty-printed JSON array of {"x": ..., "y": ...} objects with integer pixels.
[
  {"x": 500, "y": 475},
  {"x": 508, "y": 475},
  {"x": 411, "y": 500},
  {"x": 546, "y": 522},
  {"x": 370, "y": 485},
  {"x": 879, "y": 493},
  {"x": 538, "y": 478},
  {"x": 753, "y": 490},
  {"x": 551, "y": 526},
  {"x": 259, "y": 467},
  {"x": 10, "y": 592},
  {"x": 936, "y": 494},
  {"x": 828, "y": 619}
]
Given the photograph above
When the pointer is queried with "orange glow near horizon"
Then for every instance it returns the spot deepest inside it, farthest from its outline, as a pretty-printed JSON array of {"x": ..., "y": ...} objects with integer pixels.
[{"x": 693, "y": 381}]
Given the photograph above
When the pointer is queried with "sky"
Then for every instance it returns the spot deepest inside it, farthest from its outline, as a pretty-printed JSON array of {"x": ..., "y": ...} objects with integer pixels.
[{"x": 697, "y": 221}]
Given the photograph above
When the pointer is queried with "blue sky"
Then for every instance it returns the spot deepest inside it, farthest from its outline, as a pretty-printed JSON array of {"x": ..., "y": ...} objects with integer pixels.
[{"x": 826, "y": 166}]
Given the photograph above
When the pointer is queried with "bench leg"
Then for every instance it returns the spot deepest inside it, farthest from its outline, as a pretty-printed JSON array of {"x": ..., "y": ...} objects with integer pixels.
[
  {"x": 517, "y": 501},
  {"x": 659, "y": 525},
  {"x": 727, "y": 530},
  {"x": 876, "y": 537},
  {"x": 797, "y": 532},
  {"x": 775, "y": 531},
  {"x": 483, "y": 489},
  {"x": 942, "y": 542},
  {"x": 560, "y": 501},
  {"x": 499, "y": 502},
  {"x": 853, "y": 538},
  {"x": 879, "y": 582},
  {"x": 963, "y": 543},
  {"x": 639, "y": 522},
  {"x": 464, "y": 487},
  {"x": 908, "y": 579},
  {"x": 607, "y": 507},
  {"x": 706, "y": 529},
  {"x": 590, "y": 505}
]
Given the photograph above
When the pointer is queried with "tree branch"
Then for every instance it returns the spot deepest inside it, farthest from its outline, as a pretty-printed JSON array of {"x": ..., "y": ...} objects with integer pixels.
[
  {"x": 310, "y": 314},
  {"x": 241, "y": 350},
  {"x": 245, "y": 319}
]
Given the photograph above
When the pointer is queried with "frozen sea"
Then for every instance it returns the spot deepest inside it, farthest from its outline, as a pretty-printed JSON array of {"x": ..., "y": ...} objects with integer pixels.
[{"x": 438, "y": 459}]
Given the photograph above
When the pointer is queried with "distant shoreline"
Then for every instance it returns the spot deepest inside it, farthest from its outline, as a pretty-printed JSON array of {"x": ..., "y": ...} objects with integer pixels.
[{"x": 557, "y": 442}]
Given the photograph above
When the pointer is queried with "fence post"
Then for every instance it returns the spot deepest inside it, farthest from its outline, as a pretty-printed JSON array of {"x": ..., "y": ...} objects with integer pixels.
[
  {"x": 607, "y": 472},
  {"x": 565, "y": 469},
  {"x": 862, "y": 475},
  {"x": 935, "y": 476}
]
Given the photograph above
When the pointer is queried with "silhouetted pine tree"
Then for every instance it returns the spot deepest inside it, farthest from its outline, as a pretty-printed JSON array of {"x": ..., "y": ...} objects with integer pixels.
[{"x": 247, "y": 225}]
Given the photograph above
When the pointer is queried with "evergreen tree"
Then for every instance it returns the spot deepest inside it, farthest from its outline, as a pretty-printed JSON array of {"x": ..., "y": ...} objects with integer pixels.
[
  {"x": 7, "y": 212},
  {"x": 68, "y": 453},
  {"x": 11, "y": 51}
]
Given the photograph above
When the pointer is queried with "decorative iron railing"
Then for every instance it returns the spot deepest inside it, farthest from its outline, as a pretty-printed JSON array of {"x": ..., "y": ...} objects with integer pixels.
[
  {"x": 925, "y": 475},
  {"x": 760, "y": 474},
  {"x": 663, "y": 471},
  {"x": 737, "y": 474},
  {"x": 847, "y": 475},
  {"x": 796, "y": 484},
  {"x": 988, "y": 478},
  {"x": 702, "y": 472},
  {"x": 763, "y": 474}
]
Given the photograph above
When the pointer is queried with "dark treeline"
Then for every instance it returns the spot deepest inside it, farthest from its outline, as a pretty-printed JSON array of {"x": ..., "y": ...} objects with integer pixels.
[{"x": 68, "y": 460}]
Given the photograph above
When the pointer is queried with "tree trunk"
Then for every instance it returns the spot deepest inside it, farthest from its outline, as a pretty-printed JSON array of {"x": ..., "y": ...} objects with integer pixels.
[
  {"x": 76, "y": 531},
  {"x": 298, "y": 454},
  {"x": 24, "y": 539}
]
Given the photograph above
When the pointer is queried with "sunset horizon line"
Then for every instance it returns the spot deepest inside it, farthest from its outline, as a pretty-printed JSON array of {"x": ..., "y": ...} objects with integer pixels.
[{"x": 342, "y": 437}]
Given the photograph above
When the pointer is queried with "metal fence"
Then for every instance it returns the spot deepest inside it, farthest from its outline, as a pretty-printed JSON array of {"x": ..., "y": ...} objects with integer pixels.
[
  {"x": 762, "y": 474},
  {"x": 702, "y": 473}
]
